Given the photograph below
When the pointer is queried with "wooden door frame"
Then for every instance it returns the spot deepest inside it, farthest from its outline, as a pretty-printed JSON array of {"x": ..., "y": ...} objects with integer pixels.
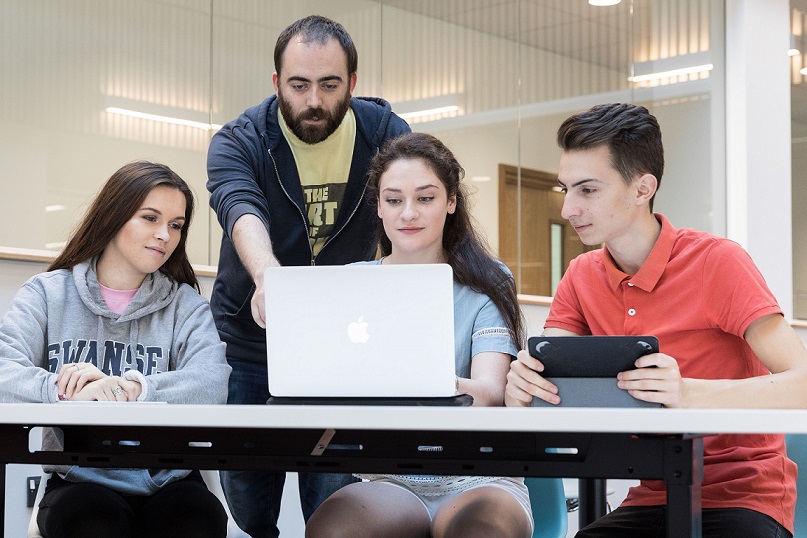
[
  {"x": 530, "y": 179},
  {"x": 508, "y": 175},
  {"x": 534, "y": 180}
]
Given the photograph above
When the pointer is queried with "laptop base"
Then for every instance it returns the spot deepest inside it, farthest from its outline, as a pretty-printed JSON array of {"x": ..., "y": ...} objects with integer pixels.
[{"x": 461, "y": 400}]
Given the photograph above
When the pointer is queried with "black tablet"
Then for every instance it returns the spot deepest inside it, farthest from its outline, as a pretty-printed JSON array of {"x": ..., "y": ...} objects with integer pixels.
[
  {"x": 589, "y": 356},
  {"x": 584, "y": 368}
]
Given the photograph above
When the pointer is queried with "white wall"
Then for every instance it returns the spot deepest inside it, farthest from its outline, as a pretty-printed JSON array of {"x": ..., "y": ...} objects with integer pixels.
[
  {"x": 57, "y": 147},
  {"x": 800, "y": 223},
  {"x": 758, "y": 145}
]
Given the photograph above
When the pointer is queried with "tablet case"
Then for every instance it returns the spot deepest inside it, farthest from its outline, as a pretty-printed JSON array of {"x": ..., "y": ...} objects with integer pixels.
[{"x": 584, "y": 368}]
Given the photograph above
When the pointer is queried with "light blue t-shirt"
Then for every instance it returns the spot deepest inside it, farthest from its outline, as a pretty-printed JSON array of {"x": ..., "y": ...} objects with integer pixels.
[{"x": 478, "y": 326}]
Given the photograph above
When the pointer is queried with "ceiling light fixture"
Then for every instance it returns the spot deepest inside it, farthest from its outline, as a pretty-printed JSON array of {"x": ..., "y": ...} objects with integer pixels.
[
  {"x": 602, "y": 3},
  {"x": 674, "y": 66},
  {"x": 429, "y": 106},
  {"x": 428, "y": 112},
  {"x": 794, "y": 46},
  {"x": 163, "y": 119},
  {"x": 159, "y": 113},
  {"x": 673, "y": 73}
]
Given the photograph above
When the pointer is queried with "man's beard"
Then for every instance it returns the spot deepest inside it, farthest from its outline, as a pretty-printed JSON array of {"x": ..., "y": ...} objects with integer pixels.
[{"x": 312, "y": 134}]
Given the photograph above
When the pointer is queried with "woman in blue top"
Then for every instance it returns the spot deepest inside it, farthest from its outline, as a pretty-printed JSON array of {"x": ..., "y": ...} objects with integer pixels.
[{"x": 425, "y": 219}]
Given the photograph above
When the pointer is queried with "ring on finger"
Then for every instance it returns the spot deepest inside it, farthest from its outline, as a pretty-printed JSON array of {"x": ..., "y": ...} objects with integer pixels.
[{"x": 117, "y": 390}]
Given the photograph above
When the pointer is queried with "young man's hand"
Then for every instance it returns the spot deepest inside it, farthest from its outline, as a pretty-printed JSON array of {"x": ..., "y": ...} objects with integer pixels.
[
  {"x": 524, "y": 382},
  {"x": 656, "y": 379}
]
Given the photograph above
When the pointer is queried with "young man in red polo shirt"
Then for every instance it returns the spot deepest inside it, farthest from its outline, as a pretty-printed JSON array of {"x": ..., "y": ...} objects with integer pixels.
[{"x": 724, "y": 339}]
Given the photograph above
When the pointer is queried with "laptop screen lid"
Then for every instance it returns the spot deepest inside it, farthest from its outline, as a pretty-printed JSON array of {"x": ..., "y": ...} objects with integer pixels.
[{"x": 360, "y": 331}]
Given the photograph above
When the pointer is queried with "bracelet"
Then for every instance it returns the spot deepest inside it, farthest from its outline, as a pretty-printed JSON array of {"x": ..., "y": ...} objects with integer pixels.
[{"x": 456, "y": 384}]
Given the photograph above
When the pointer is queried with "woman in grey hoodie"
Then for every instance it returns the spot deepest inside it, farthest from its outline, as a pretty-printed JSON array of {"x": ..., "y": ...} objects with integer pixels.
[{"x": 118, "y": 317}]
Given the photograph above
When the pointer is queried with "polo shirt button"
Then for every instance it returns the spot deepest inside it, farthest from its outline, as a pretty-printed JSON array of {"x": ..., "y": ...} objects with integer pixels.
[
  {"x": 631, "y": 312},
  {"x": 630, "y": 284}
]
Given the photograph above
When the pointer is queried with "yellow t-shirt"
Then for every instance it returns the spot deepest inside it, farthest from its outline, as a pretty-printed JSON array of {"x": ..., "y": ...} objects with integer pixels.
[{"x": 324, "y": 168}]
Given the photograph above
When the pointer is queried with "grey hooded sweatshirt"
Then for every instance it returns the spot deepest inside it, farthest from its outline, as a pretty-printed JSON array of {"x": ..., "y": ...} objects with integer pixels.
[{"x": 166, "y": 334}]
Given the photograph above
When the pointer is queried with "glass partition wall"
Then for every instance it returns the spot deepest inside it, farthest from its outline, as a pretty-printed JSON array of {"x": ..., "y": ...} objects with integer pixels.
[
  {"x": 798, "y": 111},
  {"x": 89, "y": 85}
]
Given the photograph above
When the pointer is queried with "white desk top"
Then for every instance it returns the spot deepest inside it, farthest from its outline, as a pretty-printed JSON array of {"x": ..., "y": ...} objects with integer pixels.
[{"x": 693, "y": 421}]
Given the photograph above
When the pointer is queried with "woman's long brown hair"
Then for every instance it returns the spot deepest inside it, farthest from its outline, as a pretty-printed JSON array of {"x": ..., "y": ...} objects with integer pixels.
[
  {"x": 467, "y": 251},
  {"x": 119, "y": 199}
]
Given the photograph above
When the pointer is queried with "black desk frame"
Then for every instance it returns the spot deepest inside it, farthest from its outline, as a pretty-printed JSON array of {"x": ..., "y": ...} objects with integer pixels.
[{"x": 675, "y": 459}]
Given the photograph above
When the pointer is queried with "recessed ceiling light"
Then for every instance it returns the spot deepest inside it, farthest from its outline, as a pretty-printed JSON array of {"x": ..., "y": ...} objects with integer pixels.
[
  {"x": 600, "y": 3},
  {"x": 672, "y": 73},
  {"x": 428, "y": 112},
  {"x": 164, "y": 119}
]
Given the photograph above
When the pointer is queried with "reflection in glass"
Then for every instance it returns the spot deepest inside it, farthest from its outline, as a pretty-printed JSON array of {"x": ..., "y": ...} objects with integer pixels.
[
  {"x": 798, "y": 133},
  {"x": 492, "y": 79},
  {"x": 557, "y": 267}
]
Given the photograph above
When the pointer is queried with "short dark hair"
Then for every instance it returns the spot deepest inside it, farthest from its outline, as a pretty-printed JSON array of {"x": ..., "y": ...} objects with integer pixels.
[
  {"x": 631, "y": 134},
  {"x": 317, "y": 29}
]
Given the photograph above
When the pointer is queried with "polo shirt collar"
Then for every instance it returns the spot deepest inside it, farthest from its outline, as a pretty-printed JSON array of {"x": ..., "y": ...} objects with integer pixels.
[{"x": 653, "y": 267}]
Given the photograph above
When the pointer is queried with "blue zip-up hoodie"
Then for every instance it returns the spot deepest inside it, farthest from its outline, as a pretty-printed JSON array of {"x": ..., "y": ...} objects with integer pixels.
[{"x": 251, "y": 170}]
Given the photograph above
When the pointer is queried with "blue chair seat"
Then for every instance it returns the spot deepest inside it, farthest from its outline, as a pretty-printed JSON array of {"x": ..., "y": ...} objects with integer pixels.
[
  {"x": 548, "y": 507},
  {"x": 797, "y": 451}
]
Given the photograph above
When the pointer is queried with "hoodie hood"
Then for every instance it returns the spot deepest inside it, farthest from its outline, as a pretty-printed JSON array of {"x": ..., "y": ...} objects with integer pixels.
[{"x": 154, "y": 293}]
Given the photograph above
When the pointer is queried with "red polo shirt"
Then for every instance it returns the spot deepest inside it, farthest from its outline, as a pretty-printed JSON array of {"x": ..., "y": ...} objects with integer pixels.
[{"x": 698, "y": 294}]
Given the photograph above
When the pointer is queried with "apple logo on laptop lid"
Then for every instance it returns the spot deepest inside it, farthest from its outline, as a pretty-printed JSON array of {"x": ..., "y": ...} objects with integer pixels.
[{"x": 357, "y": 331}]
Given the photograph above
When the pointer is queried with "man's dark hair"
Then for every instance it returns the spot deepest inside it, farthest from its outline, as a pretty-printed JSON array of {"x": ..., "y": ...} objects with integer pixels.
[
  {"x": 631, "y": 134},
  {"x": 316, "y": 29}
]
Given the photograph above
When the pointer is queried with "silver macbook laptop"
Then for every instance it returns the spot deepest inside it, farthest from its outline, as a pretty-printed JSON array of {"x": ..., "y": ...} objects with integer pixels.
[{"x": 360, "y": 331}]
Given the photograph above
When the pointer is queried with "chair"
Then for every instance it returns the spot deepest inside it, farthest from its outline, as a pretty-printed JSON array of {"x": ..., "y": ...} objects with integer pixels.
[
  {"x": 33, "y": 528},
  {"x": 548, "y": 507},
  {"x": 797, "y": 451}
]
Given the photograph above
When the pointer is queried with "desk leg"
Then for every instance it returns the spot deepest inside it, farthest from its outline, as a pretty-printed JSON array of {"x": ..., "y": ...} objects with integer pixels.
[
  {"x": 592, "y": 498},
  {"x": 2, "y": 497},
  {"x": 684, "y": 477}
]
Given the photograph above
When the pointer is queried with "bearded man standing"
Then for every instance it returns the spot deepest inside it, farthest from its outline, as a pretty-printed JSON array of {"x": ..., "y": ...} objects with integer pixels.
[{"x": 287, "y": 182}]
